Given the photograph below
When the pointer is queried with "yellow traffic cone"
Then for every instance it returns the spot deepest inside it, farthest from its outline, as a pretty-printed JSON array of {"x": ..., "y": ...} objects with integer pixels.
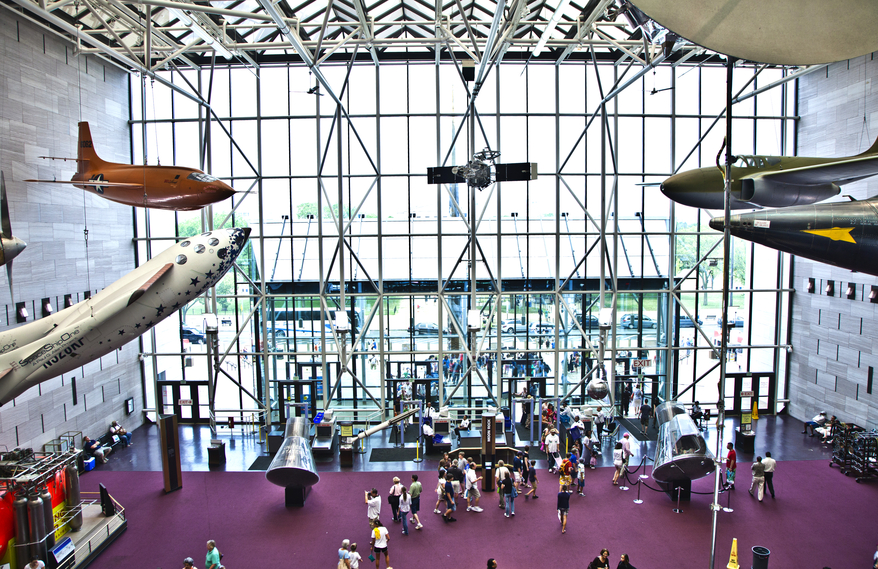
[
  {"x": 755, "y": 411},
  {"x": 733, "y": 558}
]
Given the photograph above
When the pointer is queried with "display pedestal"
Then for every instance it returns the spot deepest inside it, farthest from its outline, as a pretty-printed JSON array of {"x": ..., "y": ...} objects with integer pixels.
[
  {"x": 745, "y": 441},
  {"x": 295, "y": 496},
  {"x": 216, "y": 453}
]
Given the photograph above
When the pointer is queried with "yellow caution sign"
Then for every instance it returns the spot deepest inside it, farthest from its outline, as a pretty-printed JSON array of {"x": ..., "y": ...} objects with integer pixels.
[
  {"x": 755, "y": 411},
  {"x": 733, "y": 558},
  {"x": 836, "y": 233}
]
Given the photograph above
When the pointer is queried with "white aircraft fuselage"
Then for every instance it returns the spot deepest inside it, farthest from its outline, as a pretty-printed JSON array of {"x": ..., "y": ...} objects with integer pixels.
[{"x": 56, "y": 344}]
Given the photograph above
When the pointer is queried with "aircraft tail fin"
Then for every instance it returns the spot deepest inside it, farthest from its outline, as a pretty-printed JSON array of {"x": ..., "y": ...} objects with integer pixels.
[
  {"x": 872, "y": 149},
  {"x": 85, "y": 153}
]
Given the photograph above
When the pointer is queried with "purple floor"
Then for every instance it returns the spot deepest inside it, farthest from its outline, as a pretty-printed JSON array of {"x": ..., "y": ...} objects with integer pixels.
[{"x": 820, "y": 518}]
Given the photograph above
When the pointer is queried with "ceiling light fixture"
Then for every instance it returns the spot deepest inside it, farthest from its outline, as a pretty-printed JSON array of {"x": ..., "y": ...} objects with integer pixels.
[
  {"x": 550, "y": 27},
  {"x": 199, "y": 31}
]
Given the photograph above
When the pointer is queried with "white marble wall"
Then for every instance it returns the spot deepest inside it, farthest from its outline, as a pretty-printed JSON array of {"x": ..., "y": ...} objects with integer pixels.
[
  {"x": 45, "y": 90},
  {"x": 835, "y": 339}
]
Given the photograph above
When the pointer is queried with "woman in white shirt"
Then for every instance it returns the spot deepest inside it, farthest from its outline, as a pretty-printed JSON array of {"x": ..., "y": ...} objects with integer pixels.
[
  {"x": 380, "y": 539},
  {"x": 618, "y": 463},
  {"x": 405, "y": 506}
]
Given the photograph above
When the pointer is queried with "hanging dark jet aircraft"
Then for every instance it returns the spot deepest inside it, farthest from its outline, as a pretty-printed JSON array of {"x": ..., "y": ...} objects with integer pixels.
[
  {"x": 10, "y": 246},
  {"x": 771, "y": 181},
  {"x": 160, "y": 187},
  {"x": 71, "y": 338},
  {"x": 844, "y": 234}
]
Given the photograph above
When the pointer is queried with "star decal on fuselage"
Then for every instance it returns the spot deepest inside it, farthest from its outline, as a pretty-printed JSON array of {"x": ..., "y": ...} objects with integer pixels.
[
  {"x": 194, "y": 282},
  {"x": 834, "y": 233}
]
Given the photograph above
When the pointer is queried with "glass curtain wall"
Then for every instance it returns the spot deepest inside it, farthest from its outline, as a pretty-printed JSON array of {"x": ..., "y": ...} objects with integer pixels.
[{"x": 548, "y": 255}]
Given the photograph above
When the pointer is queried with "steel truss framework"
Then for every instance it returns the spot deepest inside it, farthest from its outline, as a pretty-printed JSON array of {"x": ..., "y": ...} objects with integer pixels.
[{"x": 153, "y": 36}]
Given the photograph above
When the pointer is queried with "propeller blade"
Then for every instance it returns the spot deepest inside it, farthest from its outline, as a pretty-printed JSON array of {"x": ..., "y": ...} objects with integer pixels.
[
  {"x": 5, "y": 226},
  {"x": 9, "y": 276}
]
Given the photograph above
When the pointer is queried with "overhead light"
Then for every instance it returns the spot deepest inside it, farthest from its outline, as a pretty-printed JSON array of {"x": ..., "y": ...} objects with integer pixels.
[
  {"x": 199, "y": 31},
  {"x": 68, "y": 300},
  {"x": 810, "y": 286},
  {"x": 851, "y": 291},
  {"x": 873, "y": 295},
  {"x": 47, "y": 307},
  {"x": 550, "y": 27}
]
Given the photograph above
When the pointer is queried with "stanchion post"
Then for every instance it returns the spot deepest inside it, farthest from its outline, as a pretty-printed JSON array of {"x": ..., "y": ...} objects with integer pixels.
[
  {"x": 728, "y": 508},
  {"x": 638, "y": 500},
  {"x": 623, "y": 487},
  {"x": 677, "y": 510}
]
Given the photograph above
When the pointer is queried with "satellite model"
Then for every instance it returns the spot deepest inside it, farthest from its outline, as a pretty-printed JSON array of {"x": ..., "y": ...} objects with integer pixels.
[
  {"x": 159, "y": 187},
  {"x": 482, "y": 171}
]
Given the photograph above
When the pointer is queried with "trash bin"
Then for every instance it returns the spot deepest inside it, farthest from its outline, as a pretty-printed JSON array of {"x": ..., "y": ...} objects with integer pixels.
[
  {"x": 507, "y": 418},
  {"x": 760, "y": 557}
]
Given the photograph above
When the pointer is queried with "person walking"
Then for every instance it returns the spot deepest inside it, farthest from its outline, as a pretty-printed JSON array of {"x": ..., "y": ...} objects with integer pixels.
[
  {"x": 344, "y": 555},
  {"x": 508, "y": 485},
  {"x": 625, "y": 400},
  {"x": 618, "y": 463},
  {"x": 645, "y": 414},
  {"x": 552, "y": 455},
  {"x": 212, "y": 560},
  {"x": 758, "y": 482},
  {"x": 534, "y": 482},
  {"x": 770, "y": 465},
  {"x": 449, "y": 499},
  {"x": 393, "y": 497},
  {"x": 36, "y": 563},
  {"x": 405, "y": 506},
  {"x": 415, "y": 492},
  {"x": 563, "y": 506},
  {"x": 355, "y": 557},
  {"x": 473, "y": 495},
  {"x": 626, "y": 448},
  {"x": 501, "y": 473},
  {"x": 731, "y": 466},
  {"x": 440, "y": 492},
  {"x": 379, "y": 544}
]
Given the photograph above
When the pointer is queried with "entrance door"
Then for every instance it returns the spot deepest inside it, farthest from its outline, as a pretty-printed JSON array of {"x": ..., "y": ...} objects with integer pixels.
[
  {"x": 742, "y": 389},
  {"x": 188, "y": 401}
]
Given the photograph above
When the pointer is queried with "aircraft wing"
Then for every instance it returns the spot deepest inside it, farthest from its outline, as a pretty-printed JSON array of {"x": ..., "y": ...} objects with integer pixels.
[
  {"x": 839, "y": 171},
  {"x": 101, "y": 183},
  {"x": 104, "y": 306}
]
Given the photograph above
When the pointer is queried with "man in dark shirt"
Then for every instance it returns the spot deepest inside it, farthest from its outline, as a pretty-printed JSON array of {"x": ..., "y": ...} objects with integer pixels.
[
  {"x": 449, "y": 498},
  {"x": 563, "y": 507},
  {"x": 645, "y": 414},
  {"x": 93, "y": 448}
]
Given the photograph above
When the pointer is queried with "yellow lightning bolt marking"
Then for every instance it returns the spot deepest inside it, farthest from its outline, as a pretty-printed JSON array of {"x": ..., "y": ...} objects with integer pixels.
[{"x": 836, "y": 233}]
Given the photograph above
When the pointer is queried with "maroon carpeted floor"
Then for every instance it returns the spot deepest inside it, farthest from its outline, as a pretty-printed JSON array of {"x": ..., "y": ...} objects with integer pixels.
[{"x": 820, "y": 518}]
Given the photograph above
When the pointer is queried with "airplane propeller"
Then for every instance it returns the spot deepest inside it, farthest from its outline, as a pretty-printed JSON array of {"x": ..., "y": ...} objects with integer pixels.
[{"x": 11, "y": 245}]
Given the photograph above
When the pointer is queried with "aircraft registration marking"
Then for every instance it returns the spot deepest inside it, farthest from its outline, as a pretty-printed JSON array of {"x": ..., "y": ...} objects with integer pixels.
[{"x": 835, "y": 233}]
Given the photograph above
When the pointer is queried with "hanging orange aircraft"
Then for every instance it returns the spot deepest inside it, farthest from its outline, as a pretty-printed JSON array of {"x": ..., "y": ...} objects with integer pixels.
[{"x": 158, "y": 187}]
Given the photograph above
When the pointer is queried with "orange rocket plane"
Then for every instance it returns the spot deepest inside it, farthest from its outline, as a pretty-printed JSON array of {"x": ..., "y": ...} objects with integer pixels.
[{"x": 158, "y": 187}]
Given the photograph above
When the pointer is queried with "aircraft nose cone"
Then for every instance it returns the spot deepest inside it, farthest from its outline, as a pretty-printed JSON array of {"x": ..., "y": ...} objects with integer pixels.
[
  {"x": 716, "y": 223},
  {"x": 12, "y": 247}
]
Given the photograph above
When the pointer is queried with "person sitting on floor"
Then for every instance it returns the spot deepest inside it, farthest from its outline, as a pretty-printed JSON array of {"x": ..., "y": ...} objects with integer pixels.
[
  {"x": 94, "y": 448},
  {"x": 119, "y": 431}
]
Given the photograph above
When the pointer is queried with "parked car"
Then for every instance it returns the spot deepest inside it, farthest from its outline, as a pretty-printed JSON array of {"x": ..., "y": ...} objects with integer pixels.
[
  {"x": 194, "y": 335},
  {"x": 513, "y": 327},
  {"x": 686, "y": 322},
  {"x": 536, "y": 329},
  {"x": 425, "y": 329},
  {"x": 631, "y": 321},
  {"x": 734, "y": 322},
  {"x": 589, "y": 323}
]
